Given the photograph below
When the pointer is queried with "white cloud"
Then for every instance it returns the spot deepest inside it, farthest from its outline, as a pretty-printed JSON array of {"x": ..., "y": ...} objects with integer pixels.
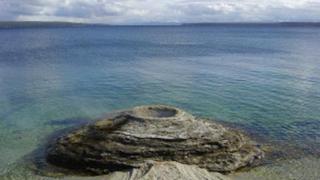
[{"x": 146, "y": 11}]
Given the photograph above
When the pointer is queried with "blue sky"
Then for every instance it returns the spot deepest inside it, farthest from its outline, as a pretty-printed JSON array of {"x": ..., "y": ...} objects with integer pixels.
[{"x": 160, "y": 11}]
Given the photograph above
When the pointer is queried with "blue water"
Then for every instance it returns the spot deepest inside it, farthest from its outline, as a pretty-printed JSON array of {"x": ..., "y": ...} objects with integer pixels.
[{"x": 265, "y": 79}]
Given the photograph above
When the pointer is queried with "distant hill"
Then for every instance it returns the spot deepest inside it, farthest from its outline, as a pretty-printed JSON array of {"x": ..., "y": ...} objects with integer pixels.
[
  {"x": 40, "y": 24},
  {"x": 289, "y": 24},
  {"x": 43, "y": 24}
]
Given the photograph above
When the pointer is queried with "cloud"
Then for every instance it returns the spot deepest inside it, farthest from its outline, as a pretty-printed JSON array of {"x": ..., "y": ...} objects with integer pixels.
[{"x": 164, "y": 11}]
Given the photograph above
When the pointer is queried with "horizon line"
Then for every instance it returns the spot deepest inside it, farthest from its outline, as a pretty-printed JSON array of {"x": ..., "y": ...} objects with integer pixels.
[
  {"x": 161, "y": 23},
  {"x": 61, "y": 24}
]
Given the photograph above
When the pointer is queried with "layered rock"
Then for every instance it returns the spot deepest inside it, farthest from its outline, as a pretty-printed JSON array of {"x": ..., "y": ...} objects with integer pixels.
[
  {"x": 159, "y": 133},
  {"x": 167, "y": 170}
]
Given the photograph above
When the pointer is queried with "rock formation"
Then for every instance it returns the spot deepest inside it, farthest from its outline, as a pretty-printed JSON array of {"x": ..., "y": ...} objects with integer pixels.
[
  {"x": 167, "y": 170},
  {"x": 152, "y": 133}
]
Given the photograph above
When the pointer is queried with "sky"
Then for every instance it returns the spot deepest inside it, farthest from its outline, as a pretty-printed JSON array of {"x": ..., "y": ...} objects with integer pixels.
[{"x": 160, "y": 11}]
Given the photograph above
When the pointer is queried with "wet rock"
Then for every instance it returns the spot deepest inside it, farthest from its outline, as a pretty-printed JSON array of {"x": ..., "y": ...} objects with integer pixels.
[
  {"x": 167, "y": 170},
  {"x": 159, "y": 133}
]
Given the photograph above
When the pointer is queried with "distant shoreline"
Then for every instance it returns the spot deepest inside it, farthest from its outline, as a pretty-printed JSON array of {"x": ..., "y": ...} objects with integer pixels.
[
  {"x": 293, "y": 24},
  {"x": 40, "y": 24},
  {"x": 44, "y": 24}
]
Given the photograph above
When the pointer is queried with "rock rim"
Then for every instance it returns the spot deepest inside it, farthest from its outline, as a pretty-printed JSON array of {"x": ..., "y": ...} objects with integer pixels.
[{"x": 131, "y": 138}]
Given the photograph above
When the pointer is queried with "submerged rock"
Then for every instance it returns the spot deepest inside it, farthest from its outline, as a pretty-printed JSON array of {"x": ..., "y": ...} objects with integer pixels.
[{"x": 158, "y": 133}]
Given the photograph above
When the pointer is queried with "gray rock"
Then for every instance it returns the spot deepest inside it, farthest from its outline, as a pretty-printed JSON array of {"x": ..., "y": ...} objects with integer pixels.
[
  {"x": 167, "y": 170},
  {"x": 159, "y": 133}
]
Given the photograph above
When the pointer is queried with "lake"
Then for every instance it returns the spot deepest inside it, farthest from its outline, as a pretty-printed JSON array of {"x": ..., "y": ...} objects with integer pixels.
[{"x": 262, "y": 79}]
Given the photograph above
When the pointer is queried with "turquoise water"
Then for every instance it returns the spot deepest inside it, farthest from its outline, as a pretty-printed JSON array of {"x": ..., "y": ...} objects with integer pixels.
[{"x": 264, "y": 79}]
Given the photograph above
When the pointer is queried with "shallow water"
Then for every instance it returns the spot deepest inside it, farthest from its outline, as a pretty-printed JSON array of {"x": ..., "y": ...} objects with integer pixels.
[{"x": 264, "y": 79}]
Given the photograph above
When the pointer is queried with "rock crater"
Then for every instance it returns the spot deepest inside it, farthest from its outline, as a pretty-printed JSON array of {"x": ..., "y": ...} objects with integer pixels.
[{"x": 154, "y": 133}]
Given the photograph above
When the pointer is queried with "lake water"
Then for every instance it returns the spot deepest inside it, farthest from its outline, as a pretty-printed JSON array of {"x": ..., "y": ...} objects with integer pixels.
[{"x": 263, "y": 79}]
